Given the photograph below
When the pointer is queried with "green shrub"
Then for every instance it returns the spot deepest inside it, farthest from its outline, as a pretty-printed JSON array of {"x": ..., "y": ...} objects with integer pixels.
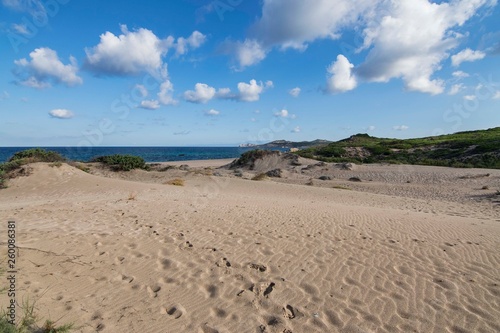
[
  {"x": 122, "y": 162},
  {"x": 37, "y": 155}
]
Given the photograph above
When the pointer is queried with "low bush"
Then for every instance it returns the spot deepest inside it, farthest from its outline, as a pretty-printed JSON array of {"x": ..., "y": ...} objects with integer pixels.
[
  {"x": 122, "y": 162},
  {"x": 37, "y": 155}
]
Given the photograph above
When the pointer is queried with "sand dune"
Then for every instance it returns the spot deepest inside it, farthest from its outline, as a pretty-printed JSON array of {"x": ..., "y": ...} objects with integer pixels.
[{"x": 225, "y": 254}]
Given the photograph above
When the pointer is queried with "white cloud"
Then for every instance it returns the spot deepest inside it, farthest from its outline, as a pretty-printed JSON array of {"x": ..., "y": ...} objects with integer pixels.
[
  {"x": 295, "y": 92},
  {"x": 194, "y": 41},
  {"x": 370, "y": 128},
  {"x": 341, "y": 78},
  {"x": 456, "y": 88},
  {"x": 150, "y": 104},
  {"x": 33, "y": 7},
  {"x": 128, "y": 54},
  {"x": 294, "y": 23},
  {"x": 165, "y": 94},
  {"x": 470, "y": 97},
  {"x": 247, "y": 92},
  {"x": 466, "y": 55},
  {"x": 407, "y": 40},
  {"x": 212, "y": 113},
  {"x": 202, "y": 93},
  {"x": 61, "y": 114},
  {"x": 21, "y": 29},
  {"x": 45, "y": 68},
  {"x": 142, "y": 90},
  {"x": 296, "y": 129},
  {"x": 497, "y": 95},
  {"x": 250, "y": 92},
  {"x": 248, "y": 53},
  {"x": 284, "y": 114},
  {"x": 460, "y": 74},
  {"x": 400, "y": 128}
]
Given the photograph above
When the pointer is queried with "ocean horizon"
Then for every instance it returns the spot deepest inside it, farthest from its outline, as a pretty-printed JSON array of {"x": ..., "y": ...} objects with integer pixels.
[{"x": 149, "y": 154}]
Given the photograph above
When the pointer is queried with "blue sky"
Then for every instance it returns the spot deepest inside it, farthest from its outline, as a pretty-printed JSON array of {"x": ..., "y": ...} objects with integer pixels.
[{"x": 224, "y": 72}]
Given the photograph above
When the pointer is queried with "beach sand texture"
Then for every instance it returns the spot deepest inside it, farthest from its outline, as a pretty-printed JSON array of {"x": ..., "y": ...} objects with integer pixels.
[{"x": 226, "y": 254}]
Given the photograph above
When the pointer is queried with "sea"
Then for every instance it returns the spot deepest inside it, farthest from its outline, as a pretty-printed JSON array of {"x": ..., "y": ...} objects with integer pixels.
[{"x": 149, "y": 154}]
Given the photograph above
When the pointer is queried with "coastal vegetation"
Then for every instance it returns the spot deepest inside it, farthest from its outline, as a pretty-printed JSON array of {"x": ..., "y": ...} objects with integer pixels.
[
  {"x": 472, "y": 149},
  {"x": 119, "y": 162},
  {"x": 15, "y": 163}
]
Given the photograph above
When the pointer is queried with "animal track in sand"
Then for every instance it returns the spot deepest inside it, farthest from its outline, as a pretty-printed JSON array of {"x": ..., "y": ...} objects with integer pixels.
[{"x": 175, "y": 311}]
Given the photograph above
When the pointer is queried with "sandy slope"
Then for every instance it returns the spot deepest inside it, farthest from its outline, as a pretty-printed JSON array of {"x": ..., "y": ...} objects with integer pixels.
[{"x": 224, "y": 254}]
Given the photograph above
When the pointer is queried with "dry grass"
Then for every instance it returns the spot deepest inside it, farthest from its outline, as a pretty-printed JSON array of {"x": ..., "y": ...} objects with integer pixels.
[
  {"x": 175, "y": 182},
  {"x": 340, "y": 187},
  {"x": 56, "y": 164},
  {"x": 260, "y": 176},
  {"x": 132, "y": 196}
]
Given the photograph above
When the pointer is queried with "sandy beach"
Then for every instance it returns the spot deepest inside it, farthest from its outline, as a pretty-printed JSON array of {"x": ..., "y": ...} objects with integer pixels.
[{"x": 400, "y": 249}]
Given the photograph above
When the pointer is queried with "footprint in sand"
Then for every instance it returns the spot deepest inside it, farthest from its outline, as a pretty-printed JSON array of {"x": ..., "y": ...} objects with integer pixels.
[
  {"x": 207, "y": 329},
  {"x": 153, "y": 290},
  {"x": 289, "y": 312},
  {"x": 175, "y": 311}
]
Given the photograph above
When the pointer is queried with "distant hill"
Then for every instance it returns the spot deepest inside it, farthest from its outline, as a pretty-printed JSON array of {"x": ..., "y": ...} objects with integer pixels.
[
  {"x": 480, "y": 149},
  {"x": 291, "y": 144}
]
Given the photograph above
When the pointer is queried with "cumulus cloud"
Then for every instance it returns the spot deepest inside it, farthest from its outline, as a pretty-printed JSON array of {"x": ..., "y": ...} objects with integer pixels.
[
  {"x": 455, "y": 89},
  {"x": 250, "y": 92},
  {"x": 45, "y": 68},
  {"x": 496, "y": 95},
  {"x": 294, "y": 23},
  {"x": 466, "y": 55},
  {"x": 202, "y": 93},
  {"x": 400, "y": 128},
  {"x": 135, "y": 52},
  {"x": 249, "y": 52},
  {"x": 460, "y": 74},
  {"x": 340, "y": 76},
  {"x": 150, "y": 104},
  {"x": 295, "y": 92},
  {"x": 407, "y": 40},
  {"x": 194, "y": 41},
  {"x": 212, "y": 113},
  {"x": 247, "y": 92},
  {"x": 370, "y": 128},
  {"x": 296, "y": 129},
  {"x": 61, "y": 114},
  {"x": 130, "y": 53},
  {"x": 165, "y": 95},
  {"x": 284, "y": 114},
  {"x": 470, "y": 97}
]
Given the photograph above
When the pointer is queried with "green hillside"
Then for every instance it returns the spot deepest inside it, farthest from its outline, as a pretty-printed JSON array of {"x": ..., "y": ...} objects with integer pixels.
[{"x": 479, "y": 149}]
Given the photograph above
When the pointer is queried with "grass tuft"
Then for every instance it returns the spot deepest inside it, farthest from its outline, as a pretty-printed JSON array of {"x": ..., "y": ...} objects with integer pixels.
[
  {"x": 175, "y": 182},
  {"x": 260, "y": 176}
]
